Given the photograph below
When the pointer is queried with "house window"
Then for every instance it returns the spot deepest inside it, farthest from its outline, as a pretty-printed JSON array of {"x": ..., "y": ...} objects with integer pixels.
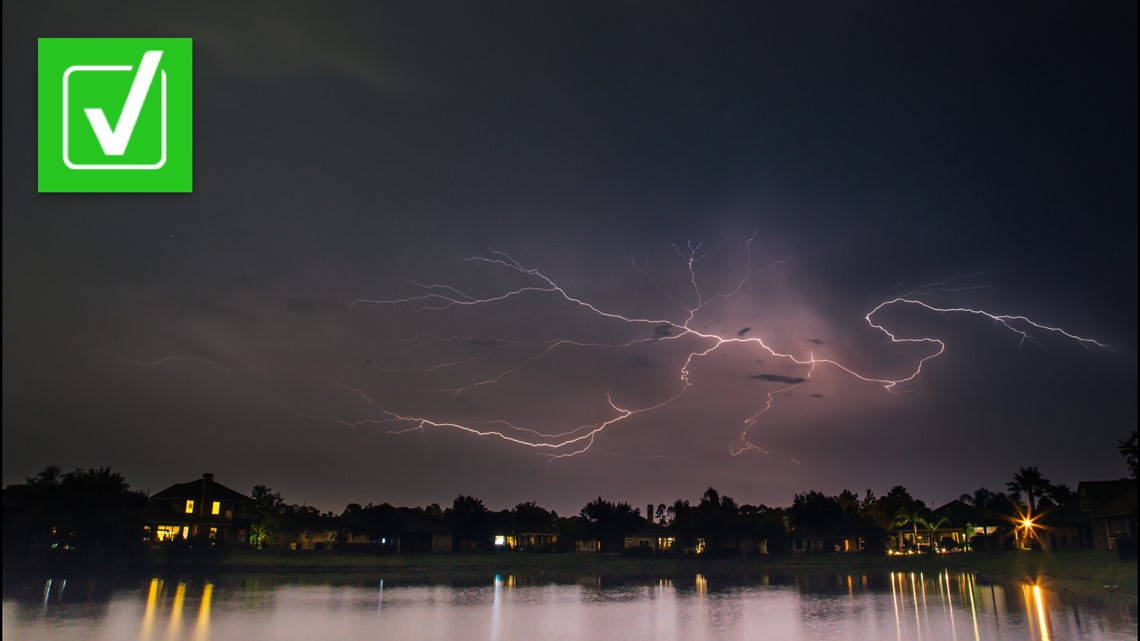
[
  {"x": 213, "y": 533},
  {"x": 189, "y": 506},
  {"x": 167, "y": 532},
  {"x": 216, "y": 508}
]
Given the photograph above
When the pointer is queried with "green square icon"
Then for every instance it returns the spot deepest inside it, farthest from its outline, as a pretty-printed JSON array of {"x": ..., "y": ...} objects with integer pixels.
[{"x": 115, "y": 115}]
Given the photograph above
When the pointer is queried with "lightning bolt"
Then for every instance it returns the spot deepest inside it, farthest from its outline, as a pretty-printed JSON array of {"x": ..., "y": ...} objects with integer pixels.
[
  {"x": 168, "y": 359},
  {"x": 572, "y": 441}
]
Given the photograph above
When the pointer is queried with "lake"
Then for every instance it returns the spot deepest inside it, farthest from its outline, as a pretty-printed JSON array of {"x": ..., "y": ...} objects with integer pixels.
[{"x": 791, "y": 606}]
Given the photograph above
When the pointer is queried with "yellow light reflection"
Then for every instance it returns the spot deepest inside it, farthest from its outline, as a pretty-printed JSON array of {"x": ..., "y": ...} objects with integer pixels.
[
  {"x": 702, "y": 585},
  {"x": 973, "y": 607},
  {"x": 151, "y": 607},
  {"x": 895, "y": 599},
  {"x": 202, "y": 627},
  {"x": 950, "y": 606},
  {"x": 1042, "y": 620},
  {"x": 172, "y": 632},
  {"x": 914, "y": 596},
  {"x": 1026, "y": 595}
]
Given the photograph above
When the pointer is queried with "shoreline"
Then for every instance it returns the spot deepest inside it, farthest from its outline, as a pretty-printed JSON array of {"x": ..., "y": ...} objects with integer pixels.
[{"x": 1081, "y": 574}]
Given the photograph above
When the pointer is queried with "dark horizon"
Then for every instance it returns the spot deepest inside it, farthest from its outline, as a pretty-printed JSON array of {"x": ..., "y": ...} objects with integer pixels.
[{"x": 813, "y": 162}]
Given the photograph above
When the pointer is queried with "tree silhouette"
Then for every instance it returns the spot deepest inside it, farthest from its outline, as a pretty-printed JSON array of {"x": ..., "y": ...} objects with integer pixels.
[
  {"x": 912, "y": 517},
  {"x": 530, "y": 517},
  {"x": 884, "y": 509},
  {"x": 470, "y": 523},
  {"x": 1127, "y": 449},
  {"x": 1030, "y": 481},
  {"x": 1059, "y": 493},
  {"x": 610, "y": 522},
  {"x": 932, "y": 526},
  {"x": 982, "y": 501},
  {"x": 270, "y": 508},
  {"x": 89, "y": 516}
]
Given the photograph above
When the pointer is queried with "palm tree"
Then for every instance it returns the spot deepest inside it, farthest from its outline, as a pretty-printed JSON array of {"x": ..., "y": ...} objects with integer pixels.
[
  {"x": 1060, "y": 493},
  {"x": 932, "y": 527},
  {"x": 981, "y": 499},
  {"x": 1030, "y": 481},
  {"x": 910, "y": 517}
]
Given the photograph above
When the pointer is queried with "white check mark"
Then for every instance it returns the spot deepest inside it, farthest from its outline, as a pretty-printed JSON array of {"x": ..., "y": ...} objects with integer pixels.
[{"x": 114, "y": 141}]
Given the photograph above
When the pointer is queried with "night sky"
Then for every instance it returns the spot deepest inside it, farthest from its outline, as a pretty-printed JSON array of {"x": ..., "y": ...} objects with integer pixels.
[{"x": 346, "y": 152}]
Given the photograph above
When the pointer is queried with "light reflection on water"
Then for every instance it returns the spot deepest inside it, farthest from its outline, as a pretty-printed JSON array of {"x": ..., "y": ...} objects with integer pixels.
[{"x": 899, "y": 605}]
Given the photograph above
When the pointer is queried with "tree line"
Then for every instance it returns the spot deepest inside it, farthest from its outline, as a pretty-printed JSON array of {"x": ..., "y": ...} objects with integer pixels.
[{"x": 91, "y": 516}]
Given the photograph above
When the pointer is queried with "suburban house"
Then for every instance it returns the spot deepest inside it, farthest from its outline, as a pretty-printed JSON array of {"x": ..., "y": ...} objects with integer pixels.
[
  {"x": 199, "y": 509},
  {"x": 958, "y": 532},
  {"x": 528, "y": 541},
  {"x": 823, "y": 540},
  {"x": 843, "y": 533},
  {"x": 1105, "y": 514},
  {"x": 587, "y": 545},
  {"x": 417, "y": 533},
  {"x": 649, "y": 538}
]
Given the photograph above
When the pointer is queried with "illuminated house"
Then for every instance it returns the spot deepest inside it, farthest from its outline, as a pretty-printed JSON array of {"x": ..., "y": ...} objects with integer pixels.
[
  {"x": 528, "y": 541},
  {"x": 650, "y": 538},
  {"x": 952, "y": 535},
  {"x": 199, "y": 509}
]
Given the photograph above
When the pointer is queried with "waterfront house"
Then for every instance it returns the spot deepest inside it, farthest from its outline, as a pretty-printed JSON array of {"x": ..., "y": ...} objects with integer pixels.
[
  {"x": 202, "y": 508},
  {"x": 1105, "y": 514}
]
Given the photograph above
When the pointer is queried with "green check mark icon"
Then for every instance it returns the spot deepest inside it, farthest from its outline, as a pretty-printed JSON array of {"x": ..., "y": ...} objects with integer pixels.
[{"x": 114, "y": 141}]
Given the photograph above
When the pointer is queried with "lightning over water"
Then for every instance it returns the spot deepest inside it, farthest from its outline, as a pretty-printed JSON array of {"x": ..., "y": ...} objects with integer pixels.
[{"x": 697, "y": 305}]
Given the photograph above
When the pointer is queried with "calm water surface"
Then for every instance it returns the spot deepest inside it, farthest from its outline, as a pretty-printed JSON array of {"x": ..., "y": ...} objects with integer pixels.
[{"x": 867, "y": 607}]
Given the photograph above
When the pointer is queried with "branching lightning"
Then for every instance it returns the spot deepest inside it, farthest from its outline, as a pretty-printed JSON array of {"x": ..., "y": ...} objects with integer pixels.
[
  {"x": 572, "y": 441},
  {"x": 167, "y": 359}
]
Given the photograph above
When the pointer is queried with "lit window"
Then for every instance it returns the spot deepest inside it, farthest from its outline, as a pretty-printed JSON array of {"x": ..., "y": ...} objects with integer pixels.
[
  {"x": 167, "y": 532},
  {"x": 213, "y": 533},
  {"x": 216, "y": 508},
  {"x": 189, "y": 506}
]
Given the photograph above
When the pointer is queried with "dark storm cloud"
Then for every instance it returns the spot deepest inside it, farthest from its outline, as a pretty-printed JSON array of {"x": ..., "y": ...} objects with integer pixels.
[
  {"x": 309, "y": 305},
  {"x": 639, "y": 360},
  {"x": 777, "y": 378},
  {"x": 205, "y": 307},
  {"x": 342, "y": 150},
  {"x": 483, "y": 342}
]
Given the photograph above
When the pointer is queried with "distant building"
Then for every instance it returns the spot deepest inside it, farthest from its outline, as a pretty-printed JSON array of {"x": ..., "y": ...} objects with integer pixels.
[
  {"x": 958, "y": 532},
  {"x": 1105, "y": 513},
  {"x": 649, "y": 538},
  {"x": 587, "y": 545},
  {"x": 825, "y": 540},
  {"x": 528, "y": 541},
  {"x": 199, "y": 509},
  {"x": 418, "y": 533}
]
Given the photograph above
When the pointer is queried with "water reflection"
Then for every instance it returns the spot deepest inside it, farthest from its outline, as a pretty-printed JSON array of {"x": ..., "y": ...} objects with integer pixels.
[
  {"x": 917, "y": 606},
  {"x": 158, "y": 598}
]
